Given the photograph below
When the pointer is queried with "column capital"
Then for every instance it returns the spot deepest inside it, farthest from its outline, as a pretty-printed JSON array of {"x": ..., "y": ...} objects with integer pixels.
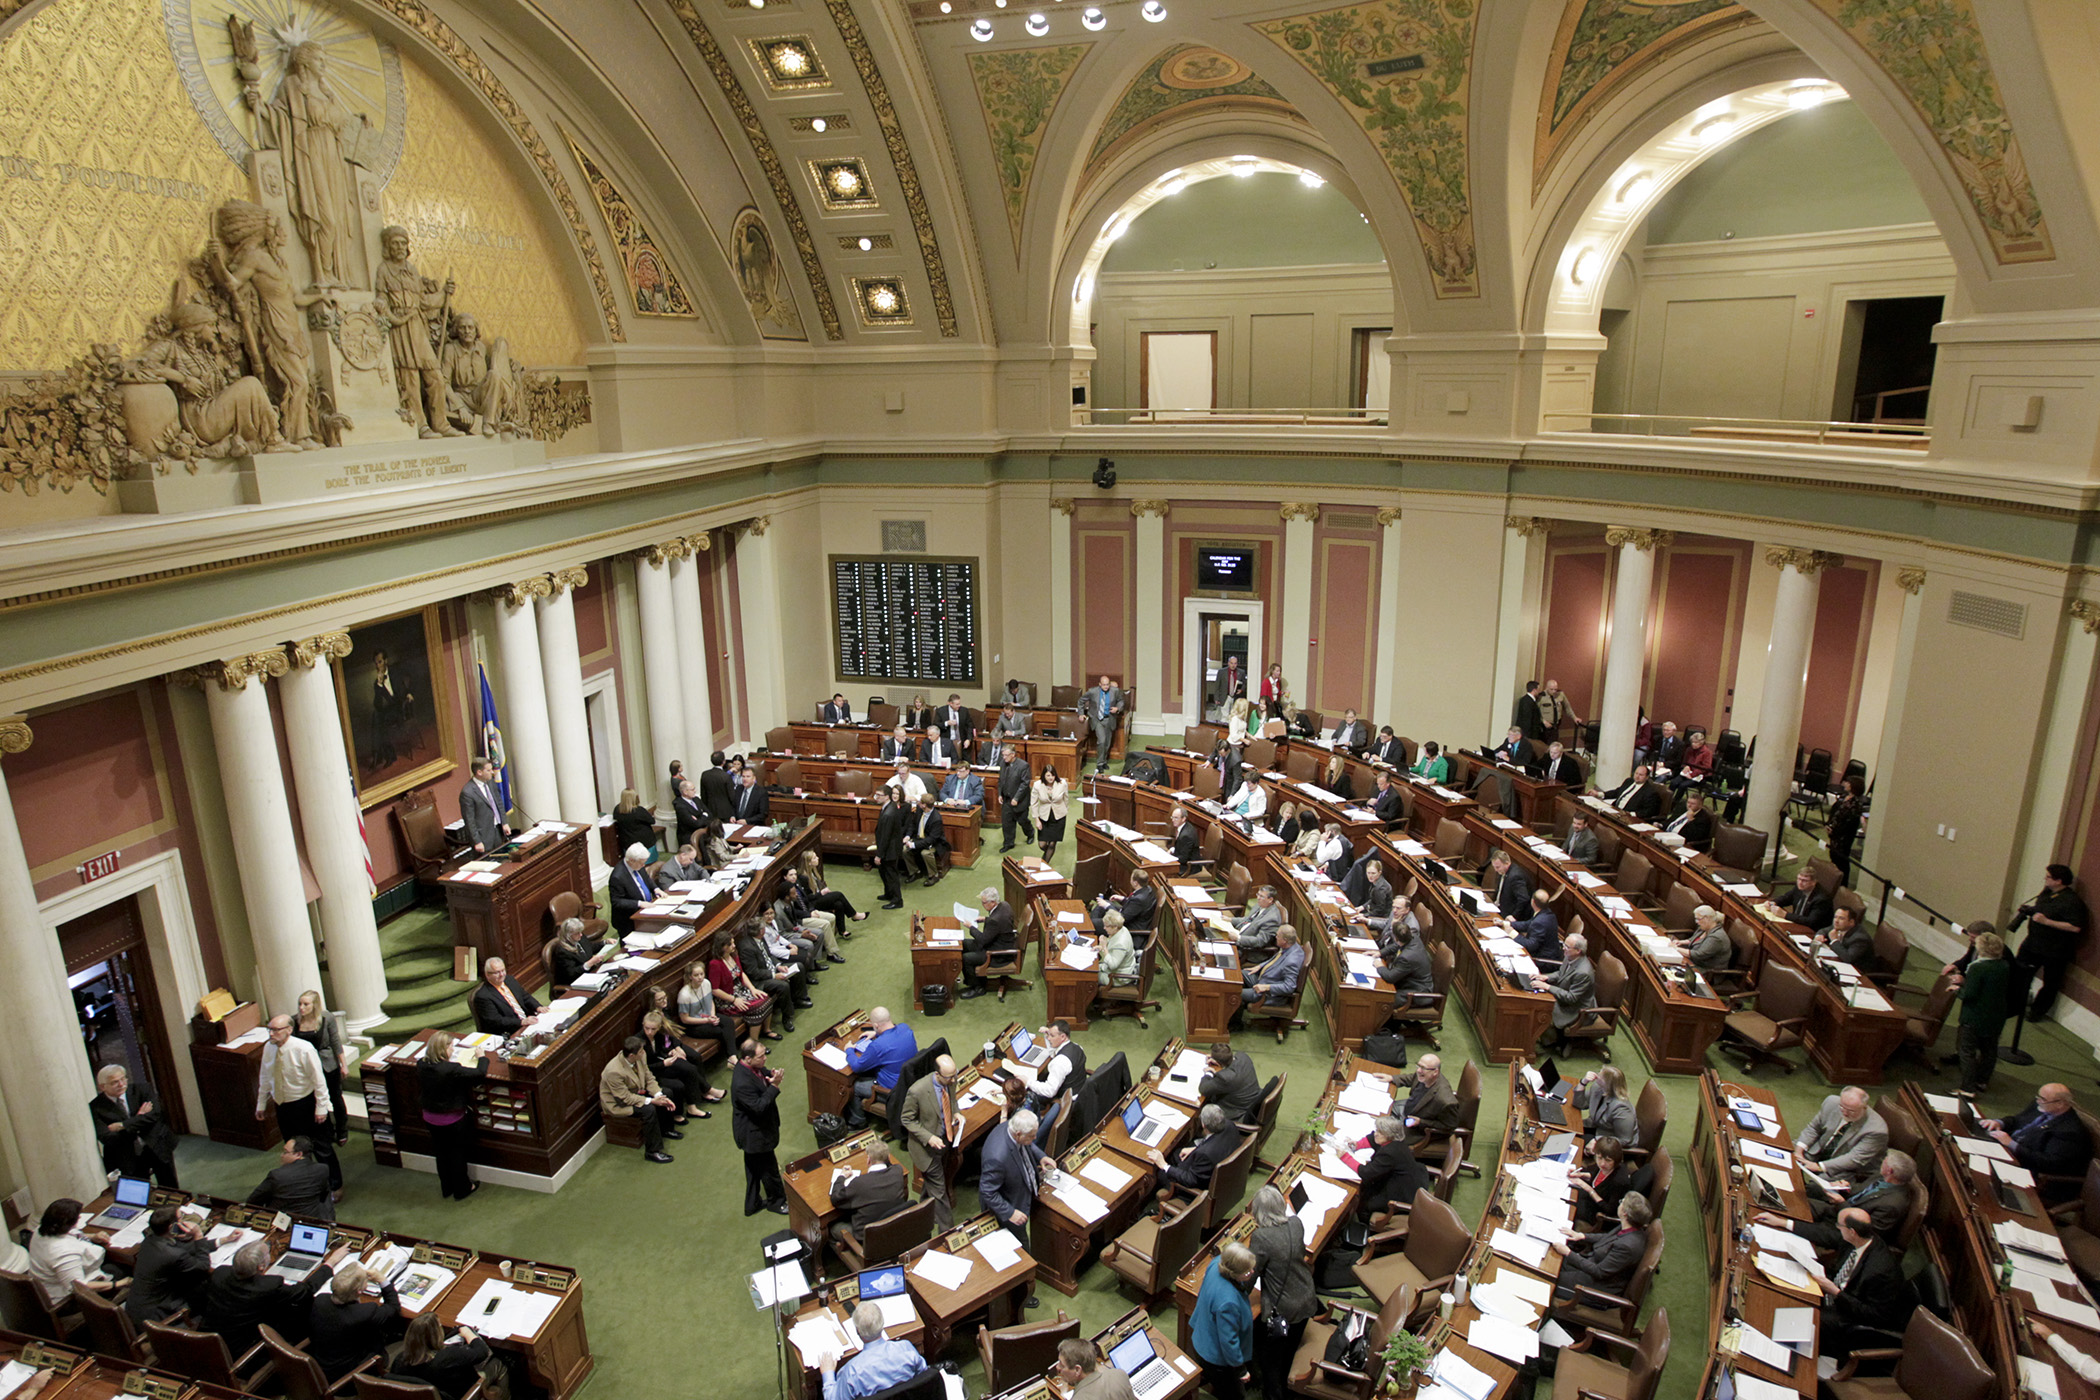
[
  {"x": 1389, "y": 515},
  {"x": 658, "y": 556},
  {"x": 1646, "y": 541},
  {"x": 14, "y": 734},
  {"x": 2082, "y": 609},
  {"x": 1525, "y": 525},
  {"x": 563, "y": 579},
  {"x": 1148, "y": 506},
  {"x": 699, "y": 544},
  {"x": 1806, "y": 562},
  {"x": 522, "y": 592},
  {"x": 1910, "y": 580},
  {"x": 759, "y": 525},
  {"x": 1308, "y": 511},
  {"x": 315, "y": 650},
  {"x": 232, "y": 674},
  {"x": 1063, "y": 505}
]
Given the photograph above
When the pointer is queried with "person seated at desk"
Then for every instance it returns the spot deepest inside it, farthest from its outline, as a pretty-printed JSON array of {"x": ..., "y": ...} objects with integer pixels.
[
  {"x": 1866, "y": 1293},
  {"x": 1602, "y": 1096},
  {"x": 1079, "y": 1367},
  {"x": 1847, "y": 939},
  {"x": 936, "y": 750},
  {"x": 1190, "y": 1168},
  {"x": 1574, "y": 988},
  {"x": 573, "y": 955},
  {"x": 60, "y": 1258},
  {"x": 1604, "y": 1259},
  {"x": 682, "y": 868},
  {"x": 1139, "y": 908},
  {"x": 879, "y": 1365},
  {"x": 1065, "y": 1067},
  {"x": 626, "y": 1089},
  {"x": 1805, "y": 903},
  {"x": 1695, "y": 824},
  {"x": 879, "y": 1191},
  {"x": 1698, "y": 765},
  {"x": 1667, "y": 752},
  {"x": 1386, "y": 803},
  {"x": 633, "y": 824},
  {"x": 1334, "y": 853},
  {"x": 1707, "y": 946},
  {"x": 2049, "y": 1139},
  {"x": 244, "y": 1296},
  {"x": 925, "y": 841},
  {"x": 748, "y": 804},
  {"x": 1118, "y": 959},
  {"x": 875, "y": 1060},
  {"x": 343, "y": 1328},
  {"x": 1335, "y": 777},
  {"x": 1352, "y": 733},
  {"x": 1604, "y": 1181},
  {"x": 1249, "y": 802},
  {"x": 1506, "y": 883},
  {"x": 1559, "y": 766},
  {"x": 1356, "y": 881},
  {"x": 1390, "y": 1176},
  {"x": 1406, "y": 964},
  {"x": 1886, "y": 1200},
  {"x": 1638, "y": 797},
  {"x": 1231, "y": 1082},
  {"x": 1389, "y": 749},
  {"x": 1431, "y": 1108},
  {"x": 1017, "y": 695},
  {"x": 481, "y": 810},
  {"x": 1011, "y": 724},
  {"x": 1300, "y": 829},
  {"x": 1255, "y": 930},
  {"x": 1377, "y": 905},
  {"x": 628, "y": 888},
  {"x": 909, "y": 786},
  {"x": 1431, "y": 766},
  {"x": 1843, "y": 1143},
  {"x": 917, "y": 715},
  {"x": 1581, "y": 844},
  {"x": 1182, "y": 839},
  {"x": 1538, "y": 931},
  {"x": 898, "y": 743},
  {"x": 836, "y": 710},
  {"x": 1274, "y": 982},
  {"x": 962, "y": 788},
  {"x": 426, "y": 1358},
  {"x": 994, "y": 934},
  {"x": 297, "y": 1185},
  {"x": 501, "y": 1006},
  {"x": 172, "y": 1267},
  {"x": 1514, "y": 750}
]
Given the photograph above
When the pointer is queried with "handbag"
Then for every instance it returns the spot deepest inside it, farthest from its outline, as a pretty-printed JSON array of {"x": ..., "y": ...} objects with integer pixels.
[{"x": 1350, "y": 1345}]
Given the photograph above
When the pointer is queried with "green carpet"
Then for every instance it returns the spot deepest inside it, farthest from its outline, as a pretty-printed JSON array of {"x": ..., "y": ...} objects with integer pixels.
[{"x": 663, "y": 1243}]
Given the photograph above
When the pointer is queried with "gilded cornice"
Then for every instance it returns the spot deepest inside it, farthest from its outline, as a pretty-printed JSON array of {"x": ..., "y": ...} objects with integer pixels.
[
  {"x": 758, "y": 525},
  {"x": 1143, "y": 508},
  {"x": 1063, "y": 505},
  {"x": 1308, "y": 511},
  {"x": 1646, "y": 541},
  {"x": 1807, "y": 562},
  {"x": 233, "y": 673},
  {"x": 699, "y": 544},
  {"x": 315, "y": 650},
  {"x": 768, "y": 159},
  {"x": 900, "y": 157},
  {"x": 14, "y": 729},
  {"x": 2086, "y": 612},
  {"x": 1911, "y": 580},
  {"x": 521, "y": 593},
  {"x": 1525, "y": 525},
  {"x": 563, "y": 579},
  {"x": 1389, "y": 515}
]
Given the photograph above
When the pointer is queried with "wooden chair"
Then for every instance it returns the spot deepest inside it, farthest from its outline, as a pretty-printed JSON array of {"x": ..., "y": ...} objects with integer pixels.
[
  {"x": 1012, "y": 1355},
  {"x": 1265, "y": 1114},
  {"x": 1428, "y": 1018},
  {"x": 1743, "y": 953},
  {"x": 1761, "y": 1025},
  {"x": 1324, "y": 1379},
  {"x": 1005, "y": 969},
  {"x": 1921, "y": 1029},
  {"x": 2056, "y": 1190},
  {"x": 1282, "y": 1017},
  {"x": 1072, "y": 727},
  {"x": 1583, "y": 1374},
  {"x": 423, "y": 836},
  {"x": 1090, "y": 878},
  {"x": 1239, "y": 884},
  {"x": 1427, "y": 1258},
  {"x": 1935, "y": 1362},
  {"x": 1595, "y": 1025},
  {"x": 374, "y": 1387},
  {"x": 788, "y": 772},
  {"x": 851, "y": 782},
  {"x": 1260, "y": 754},
  {"x": 1211, "y": 848},
  {"x": 107, "y": 1328},
  {"x": 1151, "y": 1254},
  {"x": 900, "y": 1230},
  {"x": 1436, "y": 1151},
  {"x": 1651, "y": 1114},
  {"x": 1229, "y": 1183},
  {"x": 781, "y": 740},
  {"x": 1066, "y": 697},
  {"x": 301, "y": 1375},
  {"x": 1615, "y": 1312},
  {"x": 24, "y": 1308},
  {"x": 882, "y": 714},
  {"x": 204, "y": 1356},
  {"x": 2078, "y": 1227},
  {"x": 1206, "y": 784},
  {"x": 1131, "y": 997}
]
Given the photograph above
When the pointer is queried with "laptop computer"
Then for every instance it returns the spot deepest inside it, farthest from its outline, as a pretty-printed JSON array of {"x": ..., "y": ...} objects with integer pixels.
[
  {"x": 1026, "y": 1051},
  {"x": 1142, "y": 1129},
  {"x": 132, "y": 1195},
  {"x": 1557, "y": 1087},
  {"x": 1135, "y": 1358},
  {"x": 876, "y": 1284},
  {"x": 308, "y": 1248}
]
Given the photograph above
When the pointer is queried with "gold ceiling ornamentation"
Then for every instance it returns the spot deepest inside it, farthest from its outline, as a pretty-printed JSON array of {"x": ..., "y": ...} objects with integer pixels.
[
  {"x": 1403, "y": 70},
  {"x": 1808, "y": 562},
  {"x": 1184, "y": 80},
  {"x": 900, "y": 157},
  {"x": 758, "y": 525},
  {"x": 2087, "y": 612},
  {"x": 700, "y": 543},
  {"x": 315, "y": 650},
  {"x": 1646, "y": 541},
  {"x": 1143, "y": 508},
  {"x": 768, "y": 160},
  {"x": 1308, "y": 511},
  {"x": 1525, "y": 525},
  {"x": 653, "y": 285},
  {"x": 1389, "y": 515},
  {"x": 553, "y": 409},
  {"x": 881, "y": 301},
  {"x": 14, "y": 729},
  {"x": 233, "y": 673},
  {"x": 521, "y": 593},
  {"x": 562, "y": 579},
  {"x": 1911, "y": 580},
  {"x": 1018, "y": 89},
  {"x": 1063, "y": 505},
  {"x": 790, "y": 63},
  {"x": 842, "y": 184}
]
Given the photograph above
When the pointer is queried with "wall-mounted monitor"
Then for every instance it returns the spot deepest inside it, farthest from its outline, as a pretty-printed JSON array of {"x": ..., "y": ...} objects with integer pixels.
[{"x": 1225, "y": 569}]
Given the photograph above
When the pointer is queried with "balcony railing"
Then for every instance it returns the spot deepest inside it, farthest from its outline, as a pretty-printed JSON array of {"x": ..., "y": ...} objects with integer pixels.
[
  {"x": 1236, "y": 417},
  {"x": 1913, "y": 436}
]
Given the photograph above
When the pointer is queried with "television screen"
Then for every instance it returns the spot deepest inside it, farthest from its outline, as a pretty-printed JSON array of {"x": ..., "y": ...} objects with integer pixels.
[{"x": 1225, "y": 569}]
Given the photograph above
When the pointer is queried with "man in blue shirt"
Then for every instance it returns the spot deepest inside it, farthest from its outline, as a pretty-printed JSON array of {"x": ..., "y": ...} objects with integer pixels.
[
  {"x": 964, "y": 787},
  {"x": 1539, "y": 934},
  {"x": 879, "y": 1364},
  {"x": 884, "y": 1049}
]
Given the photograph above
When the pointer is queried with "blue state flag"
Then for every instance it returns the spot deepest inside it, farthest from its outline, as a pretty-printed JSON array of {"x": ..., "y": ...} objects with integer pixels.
[{"x": 492, "y": 739}]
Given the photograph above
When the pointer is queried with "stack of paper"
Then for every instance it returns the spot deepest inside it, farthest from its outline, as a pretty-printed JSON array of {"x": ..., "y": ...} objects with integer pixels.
[
  {"x": 942, "y": 1270},
  {"x": 1082, "y": 1202},
  {"x": 830, "y": 1055},
  {"x": 2013, "y": 1234},
  {"x": 1321, "y": 1198},
  {"x": 819, "y": 1336},
  {"x": 1453, "y": 1373},
  {"x": 1077, "y": 955},
  {"x": 226, "y": 1240},
  {"x": 1504, "y": 1339},
  {"x": 1360, "y": 1097},
  {"x": 1524, "y": 1249},
  {"x": 1785, "y": 1272}
]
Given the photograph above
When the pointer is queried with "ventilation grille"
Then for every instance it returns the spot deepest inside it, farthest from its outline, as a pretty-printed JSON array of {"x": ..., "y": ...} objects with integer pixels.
[
  {"x": 903, "y": 537},
  {"x": 1988, "y": 614},
  {"x": 1350, "y": 520}
]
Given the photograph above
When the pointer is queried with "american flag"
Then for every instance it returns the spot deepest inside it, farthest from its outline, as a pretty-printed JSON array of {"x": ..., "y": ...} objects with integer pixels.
[{"x": 364, "y": 842}]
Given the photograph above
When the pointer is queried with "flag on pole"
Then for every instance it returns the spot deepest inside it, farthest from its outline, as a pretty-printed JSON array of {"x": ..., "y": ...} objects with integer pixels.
[
  {"x": 364, "y": 842},
  {"x": 492, "y": 743}
]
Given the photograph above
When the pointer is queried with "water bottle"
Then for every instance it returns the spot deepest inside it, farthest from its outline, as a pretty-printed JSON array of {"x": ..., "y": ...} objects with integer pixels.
[
  {"x": 1456, "y": 1297},
  {"x": 1445, "y": 1302}
]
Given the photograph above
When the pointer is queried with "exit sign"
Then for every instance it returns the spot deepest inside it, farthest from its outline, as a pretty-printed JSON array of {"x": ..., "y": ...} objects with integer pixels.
[{"x": 104, "y": 864}]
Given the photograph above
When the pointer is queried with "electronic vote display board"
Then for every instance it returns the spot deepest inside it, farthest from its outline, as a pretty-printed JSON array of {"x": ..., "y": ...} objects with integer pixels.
[{"x": 905, "y": 619}]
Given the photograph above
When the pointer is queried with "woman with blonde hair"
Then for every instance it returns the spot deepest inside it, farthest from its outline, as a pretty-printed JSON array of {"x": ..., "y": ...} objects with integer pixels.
[
  {"x": 696, "y": 1013},
  {"x": 634, "y": 824},
  {"x": 1236, "y": 717},
  {"x": 1337, "y": 778},
  {"x": 683, "y": 1081},
  {"x": 448, "y": 1111},
  {"x": 822, "y": 896},
  {"x": 1047, "y": 805},
  {"x": 317, "y": 1028}
]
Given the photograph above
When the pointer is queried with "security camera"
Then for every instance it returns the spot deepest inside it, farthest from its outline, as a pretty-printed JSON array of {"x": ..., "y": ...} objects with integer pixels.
[{"x": 1105, "y": 474}]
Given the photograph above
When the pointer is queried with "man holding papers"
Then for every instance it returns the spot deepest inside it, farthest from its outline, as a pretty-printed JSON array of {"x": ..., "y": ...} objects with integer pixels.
[
  {"x": 1392, "y": 1174},
  {"x": 1867, "y": 1290},
  {"x": 878, "y": 1190},
  {"x": 1844, "y": 1141},
  {"x": 994, "y": 935},
  {"x": 879, "y": 1364},
  {"x": 1605, "y": 1260},
  {"x": 1574, "y": 987},
  {"x": 1191, "y": 1168},
  {"x": 930, "y": 1120},
  {"x": 1885, "y": 1199},
  {"x": 1255, "y": 931}
]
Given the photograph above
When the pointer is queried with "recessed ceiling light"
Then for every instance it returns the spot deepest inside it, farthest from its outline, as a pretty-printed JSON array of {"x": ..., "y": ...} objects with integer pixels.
[
  {"x": 882, "y": 300},
  {"x": 1037, "y": 25},
  {"x": 1579, "y": 270},
  {"x": 1153, "y": 11},
  {"x": 1714, "y": 128},
  {"x": 758, "y": 4},
  {"x": 981, "y": 30},
  {"x": 791, "y": 60},
  {"x": 1310, "y": 179},
  {"x": 818, "y": 124},
  {"x": 1094, "y": 19},
  {"x": 1635, "y": 188},
  {"x": 845, "y": 181},
  {"x": 867, "y": 245},
  {"x": 946, "y": 8}
]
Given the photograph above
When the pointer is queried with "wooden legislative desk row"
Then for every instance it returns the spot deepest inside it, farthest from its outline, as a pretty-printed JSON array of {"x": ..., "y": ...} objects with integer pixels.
[
  {"x": 1188, "y": 1375},
  {"x": 503, "y": 913},
  {"x": 556, "y": 1355},
  {"x": 1848, "y": 1044},
  {"x": 830, "y": 1087},
  {"x": 856, "y": 816},
  {"x": 539, "y": 1109},
  {"x": 864, "y": 742},
  {"x": 1330, "y": 929},
  {"x": 818, "y": 781}
]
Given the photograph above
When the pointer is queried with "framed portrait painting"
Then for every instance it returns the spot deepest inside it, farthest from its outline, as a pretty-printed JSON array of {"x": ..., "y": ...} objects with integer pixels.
[{"x": 391, "y": 689}]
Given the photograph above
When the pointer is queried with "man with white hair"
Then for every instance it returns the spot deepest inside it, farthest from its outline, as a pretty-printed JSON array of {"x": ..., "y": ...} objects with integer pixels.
[
  {"x": 880, "y": 1363},
  {"x": 1707, "y": 945},
  {"x": 909, "y": 785},
  {"x": 629, "y": 888},
  {"x": 1574, "y": 988},
  {"x": 994, "y": 935},
  {"x": 131, "y": 1127},
  {"x": 1011, "y": 1176},
  {"x": 1190, "y": 1169},
  {"x": 1844, "y": 1142}
]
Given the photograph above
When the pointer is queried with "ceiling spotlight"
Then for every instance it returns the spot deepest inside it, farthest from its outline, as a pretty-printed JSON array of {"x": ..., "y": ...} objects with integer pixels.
[
  {"x": 1153, "y": 11},
  {"x": 1579, "y": 270},
  {"x": 999, "y": 4},
  {"x": 882, "y": 300},
  {"x": 845, "y": 181},
  {"x": 1243, "y": 166},
  {"x": 1310, "y": 179},
  {"x": 1037, "y": 25},
  {"x": 757, "y": 4},
  {"x": 981, "y": 30},
  {"x": 1094, "y": 19},
  {"x": 1811, "y": 93},
  {"x": 946, "y": 8},
  {"x": 818, "y": 124},
  {"x": 791, "y": 61},
  {"x": 867, "y": 245}
]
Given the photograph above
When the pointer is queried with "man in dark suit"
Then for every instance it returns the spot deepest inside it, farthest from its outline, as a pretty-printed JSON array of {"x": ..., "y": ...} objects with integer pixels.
[
  {"x": 1232, "y": 1084},
  {"x": 994, "y": 935},
  {"x": 1866, "y": 1291},
  {"x": 1014, "y": 782},
  {"x": 1514, "y": 749},
  {"x": 501, "y": 1006},
  {"x": 1848, "y": 939},
  {"x": 2049, "y": 1138},
  {"x": 1431, "y": 1108},
  {"x": 898, "y": 743},
  {"x": 173, "y": 1265},
  {"x": 629, "y": 889},
  {"x": 1525, "y": 718},
  {"x": 1352, "y": 733},
  {"x": 1507, "y": 885},
  {"x": 1538, "y": 932},
  {"x": 1668, "y": 754},
  {"x": 1886, "y": 1200},
  {"x": 714, "y": 786},
  {"x": 754, "y": 1125},
  {"x": 1559, "y": 767},
  {"x": 879, "y": 1191},
  {"x": 132, "y": 1128},
  {"x": 1140, "y": 908},
  {"x": 889, "y": 847},
  {"x": 1406, "y": 966},
  {"x": 931, "y": 1120},
  {"x": 1605, "y": 1260},
  {"x": 1574, "y": 988},
  {"x": 1389, "y": 749},
  {"x": 478, "y": 808},
  {"x": 1012, "y": 1174},
  {"x": 1387, "y": 804},
  {"x": 344, "y": 1327},
  {"x": 242, "y": 1296},
  {"x": 1638, "y": 797},
  {"x": 1190, "y": 1169},
  {"x": 687, "y": 812},
  {"x": 925, "y": 839},
  {"x": 1695, "y": 824},
  {"x": 934, "y": 750},
  {"x": 1391, "y": 1174},
  {"x": 836, "y": 711},
  {"x": 956, "y": 721},
  {"x": 748, "y": 803},
  {"x": 1185, "y": 843},
  {"x": 1805, "y": 903},
  {"x": 297, "y": 1185},
  {"x": 963, "y": 788}
]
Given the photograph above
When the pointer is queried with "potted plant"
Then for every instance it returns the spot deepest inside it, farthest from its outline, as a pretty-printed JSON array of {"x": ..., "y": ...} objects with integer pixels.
[{"x": 1405, "y": 1355}]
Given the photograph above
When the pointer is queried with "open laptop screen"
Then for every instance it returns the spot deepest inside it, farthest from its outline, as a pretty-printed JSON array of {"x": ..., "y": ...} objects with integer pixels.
[
  {"x": 133, "y": 1191},
  {"x": 1132, "y": 1353},
  {"x": 309, "y": 1239},
  {"x": 881, "y": 1283}
]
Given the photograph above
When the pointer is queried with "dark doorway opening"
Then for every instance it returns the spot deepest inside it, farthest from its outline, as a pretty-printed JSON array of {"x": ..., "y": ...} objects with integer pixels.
[
  {"x": 116, "y": 1003},
  {"x": 1890, "y": 345}
]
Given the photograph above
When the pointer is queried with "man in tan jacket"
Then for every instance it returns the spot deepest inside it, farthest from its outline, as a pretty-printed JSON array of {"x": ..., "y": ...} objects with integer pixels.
[
  {"x": 626, "y": 1089},
  {"x": 931, "y": 1119}
]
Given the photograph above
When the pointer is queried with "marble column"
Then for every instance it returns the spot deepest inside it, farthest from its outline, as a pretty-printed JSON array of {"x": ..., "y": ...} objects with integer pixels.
[
  {"x": 313, "y": 728},
  {"x": 1786, "y": 678},
  {"x": 1523, "y": 547},
  {"x": 660, "y": 664},
  {"x": 1296, "y": 606},
  {"x": 569, "y": 731},
  {"x": 527, "y": 737},
  {"x": 1385, "y": 702},
  {"x": 765, "y": 683},
  {"x": 261, "y": 816},
  {"x": 687, "y": 608},
  {"x": 42, "y": 1072},
  {"x": 1061, "y": 663},
  {"x": 1152, "y": 629},
  {"x": 1625, "y": 663}
]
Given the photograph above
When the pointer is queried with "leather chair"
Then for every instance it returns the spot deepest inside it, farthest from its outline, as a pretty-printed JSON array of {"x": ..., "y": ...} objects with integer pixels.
[
  {"x": 915, "y": 1069},
  {"x": 1151, "y": 1254},
  {"x": 1058, "y": 1134},
  {"x": 1583, "y": 1374},
  {"x": 1635, "y": 881},
  {"x": 570, "y": 905},
  {"x": 1239, "y": 885},
  {"x": 204, "y": 1356},
  {"x": 882, "y": 714},
  {"x": 1651, "y": 1114},
  {"x": 1012, "y": 1355},
  {"x": 374, "y": 1387},
  {"x": 900, "y": 1230},
  {"x": 1206, "y": 784},
  {"x": 1211, "y": 847},
  {"x": 1228, "y": 1184},
  {"x": 841, "y": 743},
  {"x": 1066, "y": 697},
  {"x": 423, "y": 836},
  {"x": 781, "y": 740},
  {"x": 1741, "y": 849},
  {"x": 788, "y": 772},
  {"x": 1282, "y": 1017},
  {"x": 1935, "y": 1362},
  {"x": 24, "y": 1308},
  {"x": 1593, "y": 1308},
  {"x": 852, "y": 782},
  {"x": 1436, "y": 1151},
  {"x": 1427, "y": 1019},
  {"x": 1301, "y": 767},
  {"x": 1325, "y": 1380},
  {"x": 1450, "y": 841},
  {"x": 1198, "y": 738},
  {"x": 1005, "y": 969},
  {"x": 1090, "y": 878},
  {"x": 1259, "y": 754},
  {"x": 107, "y": 1328},
  {"x": 1904, "y": 1133},
  {"x": 1763, "y": 1024},
  {"x": 1744, "y": 950},
  {"x": 1891, "y": 951},
  {"x": 1914, "y": 1219},
  {"x": 1828, "y": 877},
  {"x": 1105, "y": 1087},
  {"x": 1660, "y": 1173},
  {"x": 1429, "y": 1254},
  {"x": 1265, "y": 1114},
  {"x": 1132, "y": 997},
  {"x": 1921, "y": 1028},
  {"x": 2056, "y": 1190},
  {"x": 2078, "y": 1227},
  {"x": 1596, "y": 1025},
  {"x": 302, "y": 1376},
  {"x": 1072, "y": 727},
  {"x": 1677, "y": 909}
]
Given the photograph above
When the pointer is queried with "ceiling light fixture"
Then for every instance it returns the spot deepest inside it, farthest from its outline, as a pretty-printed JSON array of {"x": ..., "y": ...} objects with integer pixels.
[
  {"x": 1310, "y": 179},
  {"x": 1579, "y": 270},
  {"x": 792, "y": 61},
  {"x": 1634, "y": 188},
  {"x": 981, "y": 30},
  {"x": 1173, "y": 187},
  {"x": 1713, "y": 129},
  {"x": 946, "y": 8},
  {"x": 1037, "y": 25},
  {"x": 1243, "y": 166},
  {"x": 1811, "y": 93},
  {"x": 1094, "y": 19},
  {"x": 867, "y": 245},
  {"x": 817, "y": 124},
  {"x": 1153, "y": 11}
]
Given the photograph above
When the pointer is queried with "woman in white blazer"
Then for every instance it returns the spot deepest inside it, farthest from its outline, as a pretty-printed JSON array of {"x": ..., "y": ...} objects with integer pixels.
[{"x": 1046, "y": 804}]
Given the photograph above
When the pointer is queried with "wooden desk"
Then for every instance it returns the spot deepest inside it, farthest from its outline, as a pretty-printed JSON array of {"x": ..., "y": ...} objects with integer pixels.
[
  {"x": 508, "y": 918},
  {"x": 1000, "y": 1293},
  {"x": 830, "y": 1089},
  {"x": 1068, "y": 991},
  {"x": 1510, "y": 1020},
  {"x": 1352, "y": 1007},
  {"x": 1027, "y": 879},
  {"x": 962, "y": 827},
  {"x": 1535, "y": 796},
  {"x": 839, "y": 1300},
  {"x": 808, "y": 1180},
  {"x": 1210, "y": 981},
  {"x": 1127, "y": 850},
  {"x": 817, "y": 774},
  {"x": 227, "y": 1079},
  {"x": 1163, "y": 1346},
  {"x": 558, "y": 1356},
  {"x": 934, "y": 963},
  {"x": 1060, "y": 1237}
]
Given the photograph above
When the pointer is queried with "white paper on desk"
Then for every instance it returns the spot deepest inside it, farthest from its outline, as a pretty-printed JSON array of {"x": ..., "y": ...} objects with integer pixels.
[
  {"x": 1101, "y": 1173},
  {"x": 2027, "y": 1281},
  {"x": 254, "y": 1037},
  {"x": 1194, "y": 894},
  {"x": 1373, "y": 1099},
  {"x": 2053, "y": 1304},
  {"x": 1531, "y": 1290},
  {"x": 1987, "y": 1148},
  {"x": 1497, "y": 1301},
  {"x": 1587, "y": 880},
  {"x": 1151, "y": 852},
  {"x": 1184, "y": 1075},
  {"x": 1782, "y": 1242},
  {"x": 1748, "y": 891},
  {"x": 1529, "y": 1252},
  {"x": 2039, "y": 1377},
  {"x": 942, "y": 1269},
  {"x": 1749, "y": 1387},
  {"x": 831, "y": 1055},
  {"x": 2012, "y": 1175},
  {"x": 965, "y": 915},
  {"x": 489, "y": 1324},
  {"x": 132, "y": 1235},
  {"x": 2045, "y": 1268},
  {"x": 1334, "y": 1168},
  {"x": 1214, "y": 948},
  {"x": 632, "y": 964},
  {"x": 420, "y": 1285},
  {"x": 819, "y": 1336},
  {"x": 2018, "y": 1236},
  {"x": 1076, "y": 956},
  {"x": 1082, "y": 1202},
  {"x": 1785, "y": 1272},
  {"x": 1942, "y": 1103},
  {"x": 1460, "y": 1376},
  {"x": 13, "y": 1376},
  {"x": 1069, "y": 917},
  {"x": 1211, "y": 974},
  {"x": 1758, "y": 1347},
  {"x": 1163, "y": 1111},
  {"x": 1504, "y": 1339},
  {"x": 227, "y": 1240},
  {"x": 897, "y": 1310},
  {"x": 998, "y": 1250},
  {"x": 527, "y": 1310},
  {"x": 1775, "y": 1156}
]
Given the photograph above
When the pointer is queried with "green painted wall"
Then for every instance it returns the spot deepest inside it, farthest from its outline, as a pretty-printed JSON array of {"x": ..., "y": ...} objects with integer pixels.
[
  {"x": 1825, "y": 168},
  {"x": 1264, "y": 220}
]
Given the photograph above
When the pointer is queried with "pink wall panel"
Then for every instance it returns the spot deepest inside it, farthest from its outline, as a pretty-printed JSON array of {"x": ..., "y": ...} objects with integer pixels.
[
  {"x": 1345, "y": 620},
  {"x": 1105, "y": 595},
  {"x": 88, "y": 778},
  {"x": 1571, "y": 643},
  {"x": 1844, "y": 615},
  {"x": 1694, "y": 635},
  {"x": 594, "y": 632}
]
